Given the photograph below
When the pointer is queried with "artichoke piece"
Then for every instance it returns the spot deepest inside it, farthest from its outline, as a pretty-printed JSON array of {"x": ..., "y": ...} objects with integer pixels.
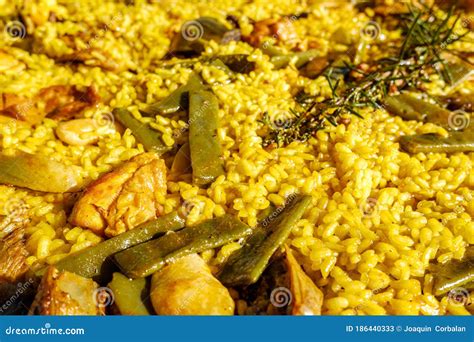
[
  {"x": 130, "y": 295},
  {"x": 187, "y": 287},
  {"x": 245, "y": 266},
  {"x": 37, "y": 172},
  {"x": 188, "y": 42},
  {"x": 430, "y": 142},
  {"x": 65, "y": 293},
  {"x": 307, "y": 297},
  {"x": 454, "y": 274},
  {"x": 147, "y": 258}
]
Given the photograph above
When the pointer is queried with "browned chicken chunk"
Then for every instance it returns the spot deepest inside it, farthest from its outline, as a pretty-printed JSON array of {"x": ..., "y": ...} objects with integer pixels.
[
  {"x": 123, "y": 198},
  {"x": 13, "y": 255},
  {"x": 66, "y": 293},
  {"x": 279, "y": 29}
]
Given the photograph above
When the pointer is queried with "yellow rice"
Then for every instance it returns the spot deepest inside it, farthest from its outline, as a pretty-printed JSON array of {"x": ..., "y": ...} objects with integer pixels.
[{"x": 379, "y": 216}]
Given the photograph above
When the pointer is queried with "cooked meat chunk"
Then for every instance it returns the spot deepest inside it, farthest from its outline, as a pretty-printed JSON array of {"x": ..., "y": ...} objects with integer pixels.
[
  {"x": 279, "y": 29},
  {"x": 13, "y": 255},
  {"x": 91, "y": 57},
  {"x": 123, "y": 198},
  {"x": 66, "y": 293},
  {"x": 64, "y": 102},
  {"x": 187, "y": 287}
]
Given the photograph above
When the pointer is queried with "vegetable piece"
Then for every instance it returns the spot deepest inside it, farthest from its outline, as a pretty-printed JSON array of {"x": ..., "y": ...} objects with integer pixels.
[
  {"x": 237, "y": 63},
  {"x": 307, "y": 297},
  {"x": 182, "y": 161},
  {"x": 149, "y": 138},
  {"x": 123, "y": 198},
  {"x": 187, "y": 287},
  {"x": 245, "y": 266},
  {"x": 458, "y": 71},
  {"x": 281, "y": 29},
  {"x": 129, "y": 295},
  {"x": 147, "y": 258},
  {"x": 177, "y": 100},
  {"x": 410, "y": 108},
  {"x": 206, "y": 155},
  {"x": 37, "y": 172},
  {"x": 65, "y": 293},
  {"x": 315, "y": 67},
  {"x": 298, "y": 58},
  {"x": 454, "y": 274},
  {"x": 94, "y": 262},
  {"x": 455, "y": 142},
  {"x": 188, "y": 41}
]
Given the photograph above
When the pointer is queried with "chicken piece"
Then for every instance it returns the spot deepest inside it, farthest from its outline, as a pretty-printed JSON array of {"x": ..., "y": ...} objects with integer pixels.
[
  {"x": 123, "y": 198},
  {"x": 187, "y": 287},
  {"x": 20, "y": 108},
  {"x": 63, "y": 102},
  {"x": 279, "y": 29},
  {"x": 307, "y": 297},
  {"x": 66, "y": 293},
  {"x": 13, "y": 254}
]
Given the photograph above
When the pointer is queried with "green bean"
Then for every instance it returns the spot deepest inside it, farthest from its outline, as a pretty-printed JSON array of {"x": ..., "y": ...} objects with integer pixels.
[
  {"x": 298, "y": 58},
  {"x": 94, "y": 262},
  {"x": 458, "y": 71},
  {"x": 149, "y": 138},
  {"x": 177, "y": 100},
  {"x": 149, "y": 257},
  {"x": 238, "y": 63},
  {"x": 129, "y": 295},
  {"x": 37, "y": 172},
  {"x": 455, "y": 274},
  {"x": 245, "y": 266},
  {"x": 206, "y": 155},
  {"x": 455, "y": 142},
  {"x": 411, "y": 108}
]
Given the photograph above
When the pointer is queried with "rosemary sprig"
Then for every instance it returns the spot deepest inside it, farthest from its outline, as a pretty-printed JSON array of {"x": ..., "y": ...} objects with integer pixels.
[{"x": 425, "y": 36}]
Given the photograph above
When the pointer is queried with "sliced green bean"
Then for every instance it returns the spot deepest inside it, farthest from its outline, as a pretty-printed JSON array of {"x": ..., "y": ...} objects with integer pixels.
[
  {"x": 149, "y": 257},
  {"x": 245, "y": 266},
  {"x": 206, "y": 154},
  {"x": 238, "y": 63},
  {"x": 455, "y": 274},
  {"x": 148, "y": 137},
  {"x": 455, "y": 142},
  {"x": 177, "y": 100},
  {"x": 94, "y": 261},
  {"x": 411, "y": 108},
  {"x": 130, "y": 295},
  {"x": 298, "y": 58}
]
